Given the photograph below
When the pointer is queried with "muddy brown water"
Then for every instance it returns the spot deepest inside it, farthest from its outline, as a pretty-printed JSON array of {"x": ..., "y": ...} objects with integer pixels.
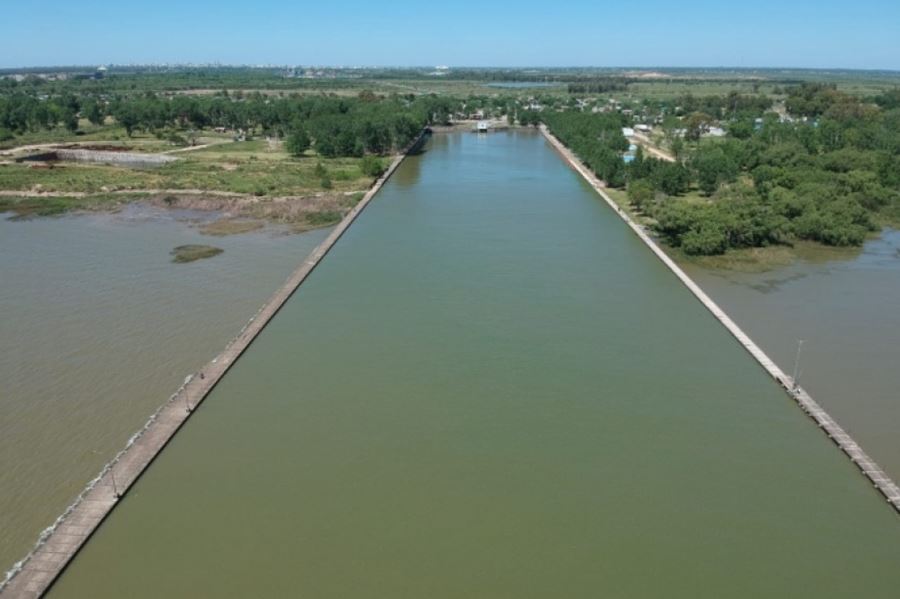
[
  {"x": 844, "y": 308},
  {"x": 97, "y": 328}
]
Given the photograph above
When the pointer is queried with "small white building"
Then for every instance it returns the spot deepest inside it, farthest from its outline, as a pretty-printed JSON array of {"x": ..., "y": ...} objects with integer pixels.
[
  {"x": 642, "y": 128},
  {"x": 627, "y": 131}
]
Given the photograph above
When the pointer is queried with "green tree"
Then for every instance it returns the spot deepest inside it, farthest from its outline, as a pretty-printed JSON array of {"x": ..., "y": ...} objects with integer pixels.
[
  {"x": 371, "y": 166},
  {"x": 127, "y": 116},
  {"x": 677, "y": 147},
  {"x": 672, "y": 178},
  {"x": 695, "y": 124},
  {"x": 713, "y": 168},
  {"x": 641, "y": 194},
  {"x": 708, "y": 239},
  {"x": 297, "y": 143},
  {"x": 70, "y": 120},
  {"x": 93, "y": 111}
]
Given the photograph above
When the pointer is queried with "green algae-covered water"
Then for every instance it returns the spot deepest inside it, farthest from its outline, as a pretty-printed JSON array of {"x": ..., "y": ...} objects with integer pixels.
[{"x": 490, "y": 388}]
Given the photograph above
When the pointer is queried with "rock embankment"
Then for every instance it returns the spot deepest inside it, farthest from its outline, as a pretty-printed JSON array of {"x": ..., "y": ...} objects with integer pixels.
[{"x": 133, "y": 159}]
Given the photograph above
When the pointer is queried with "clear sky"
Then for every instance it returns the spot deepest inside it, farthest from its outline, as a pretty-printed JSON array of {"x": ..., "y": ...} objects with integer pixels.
[{"x": 766, "y": 33}]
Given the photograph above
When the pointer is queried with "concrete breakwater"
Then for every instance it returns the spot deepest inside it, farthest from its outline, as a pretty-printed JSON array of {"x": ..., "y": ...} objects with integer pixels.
[
  {"x": 56, "y": 546},
  {"x": 835, "y": 432}
]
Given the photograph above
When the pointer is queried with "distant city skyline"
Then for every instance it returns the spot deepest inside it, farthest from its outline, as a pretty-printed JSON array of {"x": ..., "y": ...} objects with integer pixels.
[{"x": 765, "y": 34}]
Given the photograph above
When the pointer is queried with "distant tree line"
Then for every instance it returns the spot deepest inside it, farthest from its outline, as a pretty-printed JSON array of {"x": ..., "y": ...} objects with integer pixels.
[
  {"x": 599, "y": 86},
  {"x": 21, "y": 112},
  {"x": 731, "y": 105},
  {"x": 332, "y": 125}
]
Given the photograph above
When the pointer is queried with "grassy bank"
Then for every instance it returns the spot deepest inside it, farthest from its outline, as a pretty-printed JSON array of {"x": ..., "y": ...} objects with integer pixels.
[
  {"x": 250, "y": 181},
  {"x": 251, "y": 167},
  {"x": 28, "y": 207}
]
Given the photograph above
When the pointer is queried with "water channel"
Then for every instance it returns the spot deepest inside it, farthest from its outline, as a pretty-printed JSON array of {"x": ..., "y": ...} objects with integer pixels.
[{"x": 491, "y": 388}]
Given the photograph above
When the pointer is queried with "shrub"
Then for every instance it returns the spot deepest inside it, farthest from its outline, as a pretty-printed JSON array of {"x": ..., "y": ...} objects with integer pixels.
[
  {"x": 641, "y": 194},
  {"x": 707, "y": 240},
  {"x": 297, "y": 143},
  {"x": 371, "y": 166}
]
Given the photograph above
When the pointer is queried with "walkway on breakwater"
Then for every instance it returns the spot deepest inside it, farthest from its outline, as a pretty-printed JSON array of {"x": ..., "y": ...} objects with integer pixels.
[
  {"x": 59, "y": 543},
  {"x": 835, "y": 432}
]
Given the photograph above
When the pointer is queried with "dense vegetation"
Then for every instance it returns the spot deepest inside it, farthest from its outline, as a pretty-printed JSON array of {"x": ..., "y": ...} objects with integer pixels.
[
  {"x": 806, "y": 161},
  {"x": 333, "y": 126},
  {"x": 596, "y": 138},
  {"x": 829, "y": 172},
  {"x": 732, "y": 105}
]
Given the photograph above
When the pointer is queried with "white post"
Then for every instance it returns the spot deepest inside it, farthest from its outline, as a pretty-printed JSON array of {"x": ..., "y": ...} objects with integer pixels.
[
  {"x": 796, "y": 378},
  {"x": 112, "y": 475}
]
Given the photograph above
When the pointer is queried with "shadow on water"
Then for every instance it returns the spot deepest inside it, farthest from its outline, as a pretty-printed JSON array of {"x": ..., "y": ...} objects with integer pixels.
[
  {"x": 411, "y": 172},
  {"x": 773, "y": 284}
]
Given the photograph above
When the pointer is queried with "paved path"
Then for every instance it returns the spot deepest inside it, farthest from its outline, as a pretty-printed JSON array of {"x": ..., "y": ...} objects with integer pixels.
[
  {"x": 867, "y": 465},
  {"x": 198, "y": 147},
  {"x": 60, "y": 542}
]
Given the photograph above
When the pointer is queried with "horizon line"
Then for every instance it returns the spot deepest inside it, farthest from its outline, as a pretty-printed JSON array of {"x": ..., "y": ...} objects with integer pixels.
[{"x": 449, "y": 67}]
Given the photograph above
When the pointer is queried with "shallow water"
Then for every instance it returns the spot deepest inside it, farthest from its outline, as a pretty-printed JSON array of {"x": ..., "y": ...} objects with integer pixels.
[
  {"x": 97, "y": 328},
  {"x": 846, "y": 312},
  {"x": 491, "y": 388}
]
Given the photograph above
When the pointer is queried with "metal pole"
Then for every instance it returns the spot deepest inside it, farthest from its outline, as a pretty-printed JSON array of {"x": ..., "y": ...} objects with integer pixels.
[
  {"x": 796, "y": 378},
  {"x": 112, "y": 475}
]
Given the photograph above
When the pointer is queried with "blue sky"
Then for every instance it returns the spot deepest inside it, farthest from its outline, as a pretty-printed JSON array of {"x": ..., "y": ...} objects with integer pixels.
[{"x": 785, "y": 33}]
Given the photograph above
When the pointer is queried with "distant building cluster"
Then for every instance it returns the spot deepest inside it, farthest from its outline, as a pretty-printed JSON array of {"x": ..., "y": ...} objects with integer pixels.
[{"x": 98, "y": 73}]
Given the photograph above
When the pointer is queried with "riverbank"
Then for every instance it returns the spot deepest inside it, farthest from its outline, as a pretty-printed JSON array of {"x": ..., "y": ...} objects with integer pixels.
[
  {"x": 299, "y": 213},
  {"x": 61, "y": 541},
  {"x": 857, "y": 455},
  {"x": 254, "y": 179}
]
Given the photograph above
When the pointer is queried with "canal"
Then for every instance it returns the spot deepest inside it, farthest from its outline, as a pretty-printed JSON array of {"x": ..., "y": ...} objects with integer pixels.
[{"x": 491, "y": 388}]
